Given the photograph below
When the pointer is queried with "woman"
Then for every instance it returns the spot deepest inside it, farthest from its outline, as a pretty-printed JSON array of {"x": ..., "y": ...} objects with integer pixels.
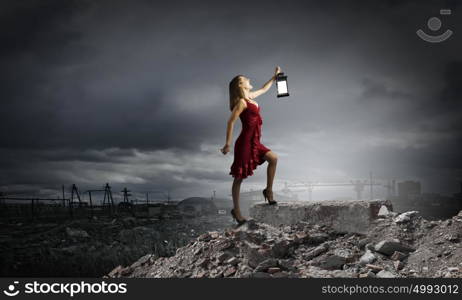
[{"x": 248, "y": 151}]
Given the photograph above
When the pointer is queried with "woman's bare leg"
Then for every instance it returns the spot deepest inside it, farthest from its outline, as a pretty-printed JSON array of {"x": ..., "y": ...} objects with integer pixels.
[
  {"x": 236, "y": 189},
  {"x": 272, "y": 159}
]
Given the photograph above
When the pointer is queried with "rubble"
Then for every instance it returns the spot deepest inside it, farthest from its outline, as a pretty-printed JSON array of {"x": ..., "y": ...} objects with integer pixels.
[
  {"x": 337, "y": 259},
  {"x": 406, "y": 216},
  {"x": 383, "y": 211},
  {"x": 367, "y": 258},
  {"x": 76, "y": 233},
  {"x": 388, "y": 247},
  {"x": 412, "y": 247},
  {"x": 397, "y": 255},
  {"x": 89, "y": 247},
  {"x": 385, "y": 274},
  {"x": 354, "y": 216}
]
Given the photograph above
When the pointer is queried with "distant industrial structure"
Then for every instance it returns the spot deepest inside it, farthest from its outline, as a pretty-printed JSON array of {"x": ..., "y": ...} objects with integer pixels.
[
  {"x": 430, "y": 205},
  {"x": 358, "y": 185},
  {"x": 75, "y": 206},
  {"x": 405, "y": 195}
]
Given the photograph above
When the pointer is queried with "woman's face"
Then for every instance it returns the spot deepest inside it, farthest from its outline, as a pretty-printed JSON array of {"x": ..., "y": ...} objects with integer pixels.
[{"x": 244, "y": 82}]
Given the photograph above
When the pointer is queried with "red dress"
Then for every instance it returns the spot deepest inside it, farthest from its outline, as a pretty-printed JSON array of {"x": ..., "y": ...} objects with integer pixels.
[{"x": 248, "y": 151}]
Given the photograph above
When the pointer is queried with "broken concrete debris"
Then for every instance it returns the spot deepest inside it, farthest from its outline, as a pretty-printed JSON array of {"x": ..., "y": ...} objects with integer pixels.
[
  {"x": 388, "y": 247},
  {"x": 76, "y": 233},
  {"x": 404, "y": 245},
  {"x": 406, "y": 216},
  {"x": 367, "y": 258}
]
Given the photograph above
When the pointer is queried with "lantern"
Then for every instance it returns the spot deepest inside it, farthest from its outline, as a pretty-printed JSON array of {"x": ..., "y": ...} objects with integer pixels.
[{"x": 281, "y": 83}]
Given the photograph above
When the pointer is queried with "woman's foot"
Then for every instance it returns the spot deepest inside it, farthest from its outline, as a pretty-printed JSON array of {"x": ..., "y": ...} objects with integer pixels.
[
  {"x": 240, "y": 220},
  {"x": 268, "y": 194}
]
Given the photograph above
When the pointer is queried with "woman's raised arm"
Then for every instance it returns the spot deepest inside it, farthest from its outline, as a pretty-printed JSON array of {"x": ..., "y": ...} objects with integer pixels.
[{"x": 266, "y": 86}]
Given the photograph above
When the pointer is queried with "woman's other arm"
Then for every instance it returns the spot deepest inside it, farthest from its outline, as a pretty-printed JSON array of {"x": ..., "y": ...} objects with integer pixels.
[{"x": 238, "y": 108}]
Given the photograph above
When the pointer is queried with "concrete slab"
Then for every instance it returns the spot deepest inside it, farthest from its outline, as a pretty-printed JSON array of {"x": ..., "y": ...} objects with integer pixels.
[{"x": 342, "y": 215}]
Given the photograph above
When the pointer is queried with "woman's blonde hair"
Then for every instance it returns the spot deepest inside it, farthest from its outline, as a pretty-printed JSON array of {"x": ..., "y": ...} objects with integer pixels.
[{"x": 235, "y": 92}]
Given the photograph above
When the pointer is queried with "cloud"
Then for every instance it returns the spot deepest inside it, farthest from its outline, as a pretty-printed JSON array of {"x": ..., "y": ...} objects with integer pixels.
[{"x": 136, "y": 94}]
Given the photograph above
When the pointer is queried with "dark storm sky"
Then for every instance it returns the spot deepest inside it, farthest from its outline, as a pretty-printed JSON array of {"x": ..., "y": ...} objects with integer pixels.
[{"x": 134, "y": 93}]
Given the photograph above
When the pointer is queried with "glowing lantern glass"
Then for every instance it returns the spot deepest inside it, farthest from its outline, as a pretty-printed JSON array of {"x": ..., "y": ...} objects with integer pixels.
[{"x": 281, "y": 83}]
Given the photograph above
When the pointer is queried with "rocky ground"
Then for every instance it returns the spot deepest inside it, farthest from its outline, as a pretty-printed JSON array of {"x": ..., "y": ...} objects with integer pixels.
[
  {"x": 396, "y": 245},
  {"x": 90, "y": 247}
]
